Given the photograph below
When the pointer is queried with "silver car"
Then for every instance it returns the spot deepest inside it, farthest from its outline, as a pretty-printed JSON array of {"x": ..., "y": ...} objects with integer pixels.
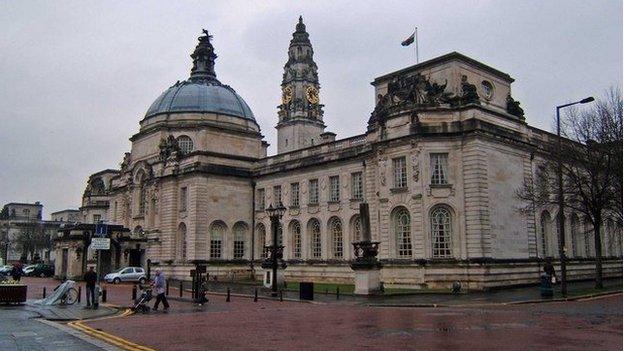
[{"x": 127, "y": 274}]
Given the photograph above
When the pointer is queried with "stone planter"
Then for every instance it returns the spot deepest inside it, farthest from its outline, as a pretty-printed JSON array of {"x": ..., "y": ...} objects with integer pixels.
[{"x": 14, "y": 293}]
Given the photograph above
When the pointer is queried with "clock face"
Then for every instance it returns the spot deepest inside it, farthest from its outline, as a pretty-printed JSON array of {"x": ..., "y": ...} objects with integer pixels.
[
  {"x": 287, "y": 95},
  {"x": 312, "y": 94}
]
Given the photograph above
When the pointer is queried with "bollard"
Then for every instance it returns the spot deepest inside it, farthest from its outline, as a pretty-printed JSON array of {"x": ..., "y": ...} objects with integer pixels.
[
  {"x": 227, "y": 299},
  {"x": 167, "y": 287},
  {"x": 281, "y": 296},
  {"x": 134, "y": 292},
  {"x": 337, "y": 293},
  {"x": 255, "y": 295},
  {"x": 79, "y": 292},
  {"x": 104, "y": 295},
  {"x": 326, "y": 291},
  {"x": 44, "y": 292},
  {"x": 181, "y": 288}
]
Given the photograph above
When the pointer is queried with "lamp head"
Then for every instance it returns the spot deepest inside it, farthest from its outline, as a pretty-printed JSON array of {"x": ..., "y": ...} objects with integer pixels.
[{"x": 586, "y": 100}]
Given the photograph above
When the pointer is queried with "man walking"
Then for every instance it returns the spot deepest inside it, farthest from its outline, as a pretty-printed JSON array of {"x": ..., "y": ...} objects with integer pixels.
[
  {"x": 159, "y": 285},
  {"x": 90, "y": 277}
]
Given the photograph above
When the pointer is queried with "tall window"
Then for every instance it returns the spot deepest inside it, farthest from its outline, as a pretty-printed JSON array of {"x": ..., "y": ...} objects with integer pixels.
[
  {"x": 183, "y": 198},
  {"x": 294, "y": 194},
  {"x": 185, "y": 143},
  {"x": 239, "y": 241},
  {"x": 588, "y": 239},
  {"x": 277, "y": 195},
  {"x": 97, "y": 218},
  {"x": 439, "y": 169},
  {"x": 217, "y": 231},
  {"x": 313, "y": 192},
  {"x": 296, "y": 239},
  {"x": 356, "y": 224},
  {"x": 335, "y": 228},
  {"x": 574, "y": 233},
  {"x": 315, "y": 238},
  {"x": 545, "y": 230},
  {"x": 260, "y": 201},
  {"x": 181, "y": 242},
  {"x": 357, "y": 191},
  {"x": 400, "y": 172},
  {"x": 402, "y": 232},
  {"x": 261, "y": 239},
  {"x": 441, "y": 233},
  {"x": 556, "y": 245},
  {"x": 334, "y": 188}
]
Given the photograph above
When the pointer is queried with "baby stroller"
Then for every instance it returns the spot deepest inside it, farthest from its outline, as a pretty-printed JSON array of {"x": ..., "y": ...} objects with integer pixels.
[{"x": 140, "y": 304}]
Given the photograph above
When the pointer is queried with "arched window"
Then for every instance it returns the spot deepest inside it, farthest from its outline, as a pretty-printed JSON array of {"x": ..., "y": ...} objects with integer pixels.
[
  {"x": 335, "y": 229},
  {"x": 589, "y": 238},
  {"x": 240, "y": 231},
  {"x": 608, "y": 237},
  {"x": 545, "y": 232},
  {"x": 295, "y": 230},
  {"x": 217, "y": 231},
  {"x": 314, "y": 229},
  {"x": 574, "y": 234},
  {"x": 402, "y": 232},
  {"x": 261, "y": 232},
  {"x": 356, "y": 228},
  {"x": 556, "y": 244},
  {"x": 441, "y": 233},
  {"x": 140, "y": 179},
  {"x": 185, "y": 143},
  {"x": 181, "y": 242}
]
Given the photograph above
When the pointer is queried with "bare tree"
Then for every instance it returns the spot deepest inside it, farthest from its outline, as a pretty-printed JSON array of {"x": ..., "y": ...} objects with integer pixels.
[
  {"x": 31, "y": 239},
  {"x": 592, "y": 167}
]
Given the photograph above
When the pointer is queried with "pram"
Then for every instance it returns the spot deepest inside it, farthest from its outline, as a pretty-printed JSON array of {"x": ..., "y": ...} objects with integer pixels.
[{"x": 140, "y": 304}]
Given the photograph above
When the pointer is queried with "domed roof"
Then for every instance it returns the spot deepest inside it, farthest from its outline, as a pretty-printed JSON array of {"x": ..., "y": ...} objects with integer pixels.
[{"x": 202, "y": 92}]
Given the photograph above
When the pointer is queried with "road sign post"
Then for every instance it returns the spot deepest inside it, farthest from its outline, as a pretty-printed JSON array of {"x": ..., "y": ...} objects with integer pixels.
[{"x": 99, "y": 242}]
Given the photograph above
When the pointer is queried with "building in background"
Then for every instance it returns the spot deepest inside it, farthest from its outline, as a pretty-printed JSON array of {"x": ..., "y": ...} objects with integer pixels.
[{"x": 67, "y": 216}]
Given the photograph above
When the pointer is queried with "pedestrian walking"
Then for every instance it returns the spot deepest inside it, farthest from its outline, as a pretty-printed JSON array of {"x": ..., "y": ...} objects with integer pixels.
[
  {"x": 550, "y": 270},
  {"x": 90, "y": 277},
  {"x": 16, "y": 272},
  {"x": 160, "y": 286}
]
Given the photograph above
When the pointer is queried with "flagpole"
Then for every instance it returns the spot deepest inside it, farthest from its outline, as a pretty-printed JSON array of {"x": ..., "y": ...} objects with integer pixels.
[{"x": 416, "y": 38}]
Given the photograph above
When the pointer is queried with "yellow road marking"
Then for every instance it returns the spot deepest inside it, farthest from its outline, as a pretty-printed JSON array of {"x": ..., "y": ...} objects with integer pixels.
[{"x": 112, "y": 339}]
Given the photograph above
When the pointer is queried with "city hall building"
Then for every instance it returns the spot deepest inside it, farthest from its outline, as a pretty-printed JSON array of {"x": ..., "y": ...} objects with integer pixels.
[{"x": 445, "y": 150}]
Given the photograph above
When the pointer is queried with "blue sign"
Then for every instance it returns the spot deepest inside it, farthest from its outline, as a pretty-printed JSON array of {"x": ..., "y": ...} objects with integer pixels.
[{"x": 101, "y": 230}]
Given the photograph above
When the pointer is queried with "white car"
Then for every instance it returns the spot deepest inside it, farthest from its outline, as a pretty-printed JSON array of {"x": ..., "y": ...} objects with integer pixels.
[
  {"x": 28, "y": 269},
  {"x": 127, "y": 274}
]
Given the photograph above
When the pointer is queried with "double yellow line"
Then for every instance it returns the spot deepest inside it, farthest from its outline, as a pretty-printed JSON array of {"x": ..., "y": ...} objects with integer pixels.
[{"x": 109, "y": 338}]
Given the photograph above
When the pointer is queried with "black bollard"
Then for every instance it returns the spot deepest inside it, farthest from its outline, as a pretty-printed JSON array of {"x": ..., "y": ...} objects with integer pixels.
[
  {"x": 167, "y": 286},
  {"x": 281, "y": 296},
  {"x": 227, "y": 299},
  {"x": 181, "y": 288},
  {"x": 337, "y": 293},
  {"x": 104, "y": 295},
  {"x": 134, "y": 291},
  {"x": 44, "y": 292},
  {"x": 255, "y": 295},
  {"x": 326, "y": 291},
  {"x": 79, "y": 292}
]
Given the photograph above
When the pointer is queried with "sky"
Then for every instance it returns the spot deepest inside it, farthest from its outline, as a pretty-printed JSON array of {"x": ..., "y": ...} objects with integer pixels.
[{"x": 76, "y": 77}]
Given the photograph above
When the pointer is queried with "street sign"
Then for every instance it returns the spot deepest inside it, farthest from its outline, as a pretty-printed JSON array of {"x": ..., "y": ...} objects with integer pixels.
[
  {"x": 101, "y": 230},
  {"x": 100, "y": 243}
]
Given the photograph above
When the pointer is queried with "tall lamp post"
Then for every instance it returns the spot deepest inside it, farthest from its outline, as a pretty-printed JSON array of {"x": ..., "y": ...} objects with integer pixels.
[
  {"x": 275, "y": 250},
  {"x": 561, "y": 217}
]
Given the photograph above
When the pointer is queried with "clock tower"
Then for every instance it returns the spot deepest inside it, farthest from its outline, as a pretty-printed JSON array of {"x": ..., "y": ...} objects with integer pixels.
[{"x": 301, "y": 113}]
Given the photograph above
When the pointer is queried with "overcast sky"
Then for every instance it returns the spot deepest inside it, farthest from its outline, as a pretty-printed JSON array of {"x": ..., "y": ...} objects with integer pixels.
[{"x": 76, "y": 77}]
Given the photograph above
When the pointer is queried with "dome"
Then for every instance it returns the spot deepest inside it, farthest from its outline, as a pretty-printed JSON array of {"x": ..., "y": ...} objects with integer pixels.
[
  {"x": 202, "y": 96},
  {"x": 202, "y": 92}
]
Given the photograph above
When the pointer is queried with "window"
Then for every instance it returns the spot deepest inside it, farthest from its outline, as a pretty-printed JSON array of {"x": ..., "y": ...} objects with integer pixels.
[
  {"x": 217, "y": 230},
  {"x": 588, "y": 239},
  {"x": 441, "y": 233},
  {"x": 334, "y": 189},
  {"x": 357, "y": 191},
  {"x": 402, "y": 232},
  {"x": 294, "y": 194},
  {"x": 439, "y": 169},
  {"x": 335, "y": 228},
  {"x": 97, "y": 218},
  {"x": 261, "y": 240},
  {"x": 356, "y": 225},
  {"x": 181, "y": 242},
  {"x": 296, "y": 239},
  {"x": 574, "y": 234},
  {"x": 26, "y": 212},
  {"x": 260, "y": 202},
  {"x": 277, "y": 195},
  {"x": 183, "y": 198},
  {"x": 185, "y": 143},
  {"x": 313, "y": 192},
  {"x": 142, "y": 199},
  {"x": 239, "y": 241},
  {"x": 315, "y": 238},
  {"x": 487, "y": 88},
  {"x": 544, "y": 224},
  {"x": 114, "y": 212},
  {"x": 400, "y": 172}
]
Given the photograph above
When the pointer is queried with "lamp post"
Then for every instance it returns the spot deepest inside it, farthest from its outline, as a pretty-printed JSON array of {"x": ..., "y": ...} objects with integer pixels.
[
  {"x": 560, "y": 215},
  {"x": 275, "y": 250}
]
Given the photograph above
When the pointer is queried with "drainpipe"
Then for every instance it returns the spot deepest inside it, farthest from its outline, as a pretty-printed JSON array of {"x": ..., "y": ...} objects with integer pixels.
[{"x": 253, "y": 228}]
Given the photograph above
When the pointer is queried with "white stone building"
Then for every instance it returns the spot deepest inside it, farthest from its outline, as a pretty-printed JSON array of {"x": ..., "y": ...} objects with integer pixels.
[{"x": 445, "y": 150}]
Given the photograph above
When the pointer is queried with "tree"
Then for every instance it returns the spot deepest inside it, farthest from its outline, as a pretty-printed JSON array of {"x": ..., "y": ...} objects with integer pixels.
[
  {"x": 592, "y": 167},
  {"x": 32, "y": 238}
]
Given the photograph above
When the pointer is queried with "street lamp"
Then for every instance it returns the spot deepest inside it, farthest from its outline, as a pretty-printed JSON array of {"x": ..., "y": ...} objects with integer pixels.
[
  {"x": 564, "y": 286},
  {"x": 275, "y": 250}
]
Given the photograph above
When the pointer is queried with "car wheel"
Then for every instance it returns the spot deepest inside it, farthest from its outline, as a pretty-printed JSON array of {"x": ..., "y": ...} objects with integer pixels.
[
  {"x": 142, "y": 281},
  {"x": 116, "y": 281}
]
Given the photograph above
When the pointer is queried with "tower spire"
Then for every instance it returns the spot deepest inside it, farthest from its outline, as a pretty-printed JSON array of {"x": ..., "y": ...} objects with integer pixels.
[{"x": 203, "y": 60}]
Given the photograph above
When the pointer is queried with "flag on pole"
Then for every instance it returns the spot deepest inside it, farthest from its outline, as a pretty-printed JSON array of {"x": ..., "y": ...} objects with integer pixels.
[{"x": 409, "y": 40}]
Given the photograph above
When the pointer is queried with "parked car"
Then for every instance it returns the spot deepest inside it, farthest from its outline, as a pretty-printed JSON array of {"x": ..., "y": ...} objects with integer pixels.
[
  {"x": 127, "y": 274},
  {"x": 42, "y": 270},
  {"x": 6, "y": 269},
  {"x": 28, "y": 270}
]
